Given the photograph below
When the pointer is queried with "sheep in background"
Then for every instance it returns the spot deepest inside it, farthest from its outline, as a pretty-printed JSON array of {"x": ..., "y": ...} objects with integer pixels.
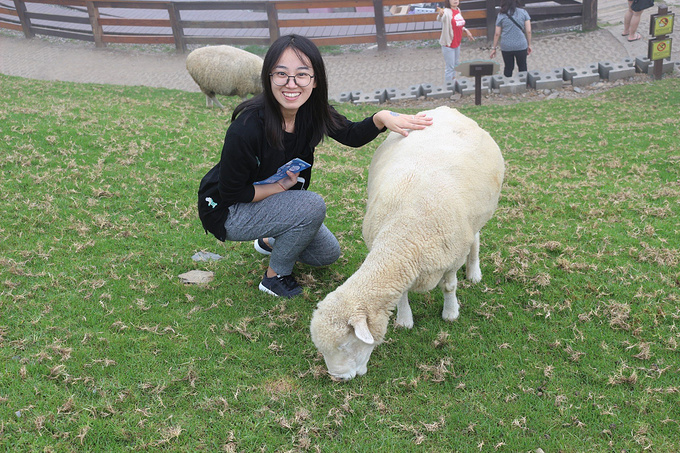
[
  {"x": 429, "y": 194},
  {"x": 224, "y": 70}
]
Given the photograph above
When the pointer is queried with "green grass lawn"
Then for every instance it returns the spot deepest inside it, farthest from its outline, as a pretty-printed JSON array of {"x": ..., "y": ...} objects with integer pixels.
[{"x": 569, "y": 343}]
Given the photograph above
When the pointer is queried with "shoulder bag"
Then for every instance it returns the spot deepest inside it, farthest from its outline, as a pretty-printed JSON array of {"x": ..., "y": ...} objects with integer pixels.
[{"x": 522, "y": 28}]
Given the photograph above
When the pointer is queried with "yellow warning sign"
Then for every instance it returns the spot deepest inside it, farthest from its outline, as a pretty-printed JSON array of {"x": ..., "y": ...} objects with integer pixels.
[
  {"x": 660, "y": 49},
  {"x": 661, "y": 24}
]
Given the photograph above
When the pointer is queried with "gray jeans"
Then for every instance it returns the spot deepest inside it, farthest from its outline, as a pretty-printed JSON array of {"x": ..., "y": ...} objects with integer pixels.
[
  {"x": 294, "y": 218},
  {"x": 451, "y": 60}
]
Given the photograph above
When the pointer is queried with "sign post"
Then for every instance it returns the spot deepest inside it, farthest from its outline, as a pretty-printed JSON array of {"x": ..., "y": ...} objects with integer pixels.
[
  {"x": 477, "y": 69},
  {"x": 660, "y": 26}
]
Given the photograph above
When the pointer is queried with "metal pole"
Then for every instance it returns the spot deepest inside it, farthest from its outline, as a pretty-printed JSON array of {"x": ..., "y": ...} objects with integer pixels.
[{"x": 478, "y": 89}]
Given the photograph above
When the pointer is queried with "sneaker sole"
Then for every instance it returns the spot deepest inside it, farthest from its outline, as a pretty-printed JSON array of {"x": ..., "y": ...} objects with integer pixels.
[
  {"x": 269, "y": 291},
  {"x": 260, "y": 249}
]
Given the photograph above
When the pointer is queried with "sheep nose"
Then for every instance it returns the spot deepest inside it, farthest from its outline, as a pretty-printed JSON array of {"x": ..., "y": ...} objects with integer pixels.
[
  {"x": 339, "y": 379},
  {"x": 343, "y": 377}
]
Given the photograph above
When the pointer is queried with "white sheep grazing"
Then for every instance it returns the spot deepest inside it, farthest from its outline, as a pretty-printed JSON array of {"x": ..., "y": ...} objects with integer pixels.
[
  {"x": 225, "y": 70},
  {"x": 429, "y": 194}
]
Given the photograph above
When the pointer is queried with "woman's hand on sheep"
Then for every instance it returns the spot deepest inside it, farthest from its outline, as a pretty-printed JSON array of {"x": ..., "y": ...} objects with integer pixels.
[{"x": 400, "y": 123}]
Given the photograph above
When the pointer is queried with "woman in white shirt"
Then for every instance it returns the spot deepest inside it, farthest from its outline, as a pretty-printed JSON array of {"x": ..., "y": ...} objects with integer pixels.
[{"x": 453, "y": 27}]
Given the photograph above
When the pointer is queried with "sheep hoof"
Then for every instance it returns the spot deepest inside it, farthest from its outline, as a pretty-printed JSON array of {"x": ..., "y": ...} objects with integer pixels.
[
  {"x": 475, "y": 275},
  {"x": 450, "y": 316},
  {"x": 404, "y": 323}
]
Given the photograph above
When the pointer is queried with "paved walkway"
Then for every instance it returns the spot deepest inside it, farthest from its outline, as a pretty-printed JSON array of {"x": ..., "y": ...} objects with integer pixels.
[{"x": 399, "y": 67}]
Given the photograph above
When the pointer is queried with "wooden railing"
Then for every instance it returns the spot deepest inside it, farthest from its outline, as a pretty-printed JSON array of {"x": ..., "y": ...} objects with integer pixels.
[{"x": 326, "y": 22}]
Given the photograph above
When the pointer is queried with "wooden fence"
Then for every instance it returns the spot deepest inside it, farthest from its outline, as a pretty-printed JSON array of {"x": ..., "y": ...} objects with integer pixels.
[{"x": 243, "y": 22}]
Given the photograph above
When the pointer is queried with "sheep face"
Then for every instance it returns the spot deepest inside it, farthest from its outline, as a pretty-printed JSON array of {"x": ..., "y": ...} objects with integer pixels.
[
  {"x": 346, "y": 344},
  {"x": 348, "y": 358}
]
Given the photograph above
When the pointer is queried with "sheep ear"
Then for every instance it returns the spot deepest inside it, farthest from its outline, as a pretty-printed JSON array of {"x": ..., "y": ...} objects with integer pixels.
[{"x": 361, "y": 330}]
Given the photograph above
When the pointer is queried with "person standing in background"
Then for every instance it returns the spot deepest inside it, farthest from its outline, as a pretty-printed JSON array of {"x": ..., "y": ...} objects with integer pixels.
[
  {"x": 513, "y": 28},
  {"x": 453, "y": 27},
  {"x": 631, "y": 20}
]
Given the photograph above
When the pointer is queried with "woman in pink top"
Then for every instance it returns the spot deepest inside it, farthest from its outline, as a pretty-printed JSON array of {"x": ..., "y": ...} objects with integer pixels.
[{"x": 453, "y": 27}]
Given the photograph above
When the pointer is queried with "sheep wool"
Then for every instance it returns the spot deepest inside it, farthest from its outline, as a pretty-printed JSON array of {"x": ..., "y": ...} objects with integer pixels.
[
  {"x": 224, "y": 70},
  {"x": 429, "y": 195}
]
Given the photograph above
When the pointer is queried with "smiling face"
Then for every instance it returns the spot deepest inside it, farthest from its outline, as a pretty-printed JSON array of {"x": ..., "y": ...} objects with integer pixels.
[{"x": 291, "y": 96}]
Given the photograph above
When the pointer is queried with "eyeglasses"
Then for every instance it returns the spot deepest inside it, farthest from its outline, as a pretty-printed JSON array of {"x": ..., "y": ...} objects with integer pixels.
[{"x": 301, "y": 79}]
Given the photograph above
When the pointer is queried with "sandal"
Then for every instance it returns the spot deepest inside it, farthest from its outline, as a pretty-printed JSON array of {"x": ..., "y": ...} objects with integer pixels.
[
  {"x": 624, "y": 34},
  {"x": 636, "y": 37}
]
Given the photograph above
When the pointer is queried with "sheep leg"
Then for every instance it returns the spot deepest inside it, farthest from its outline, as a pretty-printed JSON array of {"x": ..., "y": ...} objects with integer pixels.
[
  {"x": 404, "y": 313},
  {"x": 472, "y": 270},
  {"x": 448, "y": 286},
  {"x": 210, "y": 99}
]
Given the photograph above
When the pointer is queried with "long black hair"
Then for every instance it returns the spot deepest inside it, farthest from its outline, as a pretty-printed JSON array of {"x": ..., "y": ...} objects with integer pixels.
[
  {"x": 508, "y": 7},
  {"x": 315, "y": 115}
]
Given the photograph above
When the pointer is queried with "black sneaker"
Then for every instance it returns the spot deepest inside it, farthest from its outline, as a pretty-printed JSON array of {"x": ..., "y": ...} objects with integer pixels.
[
  {"x": 280, "y": 285},
  {"x": 262, "y": 247}
]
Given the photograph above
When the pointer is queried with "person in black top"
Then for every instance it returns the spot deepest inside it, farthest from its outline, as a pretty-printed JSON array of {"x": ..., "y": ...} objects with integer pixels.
[{"x": 287, "y": 120}]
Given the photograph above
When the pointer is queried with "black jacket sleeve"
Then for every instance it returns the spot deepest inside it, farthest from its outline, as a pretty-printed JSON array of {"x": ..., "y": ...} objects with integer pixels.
[
  {"x": 354, "y": 134},
  {"x": 240, "y": 160},
  {"x": 211, "y": 210}
]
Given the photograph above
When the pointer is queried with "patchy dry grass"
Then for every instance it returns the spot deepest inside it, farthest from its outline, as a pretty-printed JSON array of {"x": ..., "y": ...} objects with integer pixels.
[{"x": 569, "y": 343}]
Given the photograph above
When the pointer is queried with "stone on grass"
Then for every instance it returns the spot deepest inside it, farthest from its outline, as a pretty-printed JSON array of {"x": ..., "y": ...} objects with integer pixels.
[{"x": 196, "y": 277}]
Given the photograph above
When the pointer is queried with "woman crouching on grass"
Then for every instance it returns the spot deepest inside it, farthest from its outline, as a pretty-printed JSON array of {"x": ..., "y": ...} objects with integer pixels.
[{"x": 286, "y": 121}]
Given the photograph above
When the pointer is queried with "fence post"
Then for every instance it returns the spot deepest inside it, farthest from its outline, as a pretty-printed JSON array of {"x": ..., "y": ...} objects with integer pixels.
[
  {"x": 273, "y": 19},
  {"x": 490, "y": 19},
  {"x": 177, "y": 31},
  {"x": 589, "y": 15},
  {"x": 25, "y": 21},
  {"x": 380, "y": 33},
  {"x": 97, "y": 30}
]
